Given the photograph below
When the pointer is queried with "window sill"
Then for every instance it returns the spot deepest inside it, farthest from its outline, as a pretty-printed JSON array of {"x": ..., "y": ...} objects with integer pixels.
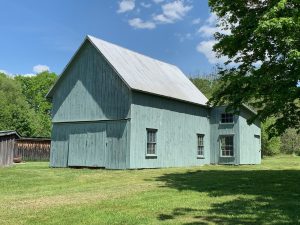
[
  {"x": 226, "y": 156},
  {"x": 226, "y": 123},
  {"x": 151, "y": 156},
  {"x": 200, "y": 157}
]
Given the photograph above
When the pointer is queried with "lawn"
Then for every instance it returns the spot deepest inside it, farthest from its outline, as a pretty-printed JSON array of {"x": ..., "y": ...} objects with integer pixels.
[{"x": 32, "y": 193}]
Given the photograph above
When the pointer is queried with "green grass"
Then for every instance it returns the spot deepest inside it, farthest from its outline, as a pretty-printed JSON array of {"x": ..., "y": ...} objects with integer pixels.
[{"x": 32, "y": 193}]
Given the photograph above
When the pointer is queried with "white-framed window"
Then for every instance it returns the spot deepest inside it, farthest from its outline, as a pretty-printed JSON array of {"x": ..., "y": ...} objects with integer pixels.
[
  {"x": 200, "y": 145},
  {"x": 226, "y": 146},
  {"x": 151, "y": 142},
  {"x": 226, "y": 118}
]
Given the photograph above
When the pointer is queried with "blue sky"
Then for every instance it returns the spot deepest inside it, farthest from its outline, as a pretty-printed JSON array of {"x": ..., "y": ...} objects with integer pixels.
[{"x": 37, "y": 35}]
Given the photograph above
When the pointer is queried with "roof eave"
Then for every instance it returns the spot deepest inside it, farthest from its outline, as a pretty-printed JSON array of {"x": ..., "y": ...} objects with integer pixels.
[{"x": 173, "y": 98}]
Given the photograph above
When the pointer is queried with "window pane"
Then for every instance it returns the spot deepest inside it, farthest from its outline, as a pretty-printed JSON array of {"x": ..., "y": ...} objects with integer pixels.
[
  {"x": 151, "y": 142},
  {"x": 226, "y": 118},
  {"x": 200, "y": 144},
  {"x": 227, "y": 148}
]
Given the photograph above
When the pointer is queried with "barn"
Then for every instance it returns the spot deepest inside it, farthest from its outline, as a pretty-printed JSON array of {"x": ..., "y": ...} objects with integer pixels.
[
  {"x": 7, "y": 145},
  {"x": 118, "y": 109}
]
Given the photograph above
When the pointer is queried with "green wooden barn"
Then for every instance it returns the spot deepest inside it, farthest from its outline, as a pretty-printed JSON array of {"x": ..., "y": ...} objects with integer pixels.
[{"x": 119, "y": 109}]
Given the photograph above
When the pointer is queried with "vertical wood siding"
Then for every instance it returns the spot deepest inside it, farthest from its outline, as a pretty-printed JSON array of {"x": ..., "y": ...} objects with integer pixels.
[
  {"x": 60, "y": 145},
  {"x": 246, "y": 146},
  {"x": 217, "y": 130},
  {"x": 90, "y": 90},
  {"x": 32, "y": 149},
  {"x": 7, "y": 144},
  {"x": 91, "y": 113},
  {"x": 99, "y": 122},
  {"x": 177, "y": 125},
  {"x": 118, "y": 141},
  {"x": 93, "y": 144},
  {"x": 250, "y": 146}
]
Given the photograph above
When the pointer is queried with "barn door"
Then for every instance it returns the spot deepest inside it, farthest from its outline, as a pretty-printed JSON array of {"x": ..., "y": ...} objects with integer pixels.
[
  {"x": 77, "y": 149},
  {"x": 87, "y": 145},
  {"x": 96, "y": 145}
]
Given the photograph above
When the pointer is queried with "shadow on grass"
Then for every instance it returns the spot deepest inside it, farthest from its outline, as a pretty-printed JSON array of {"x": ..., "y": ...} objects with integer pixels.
[{"x": 259, "y": 197}]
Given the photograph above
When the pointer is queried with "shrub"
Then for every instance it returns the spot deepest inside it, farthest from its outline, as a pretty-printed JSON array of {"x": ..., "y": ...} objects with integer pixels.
[{"x": 290, "y": 142}]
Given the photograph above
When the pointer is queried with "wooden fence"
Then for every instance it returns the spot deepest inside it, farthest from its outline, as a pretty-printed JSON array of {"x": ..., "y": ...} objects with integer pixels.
[{"x": 32, "y": 149}]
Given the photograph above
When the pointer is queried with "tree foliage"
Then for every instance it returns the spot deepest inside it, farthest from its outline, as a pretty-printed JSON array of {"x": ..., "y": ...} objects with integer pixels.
[
  {"x": 206, "y": 86},
  {"x": 264, "y": 44},
  {"x": 23, "y": 104},
  {"x": 15, "y": 113},
  {"x": 35, "y": 89},
  {"x": 290, "y": 142},
  {"x": 269, "y": 145}
]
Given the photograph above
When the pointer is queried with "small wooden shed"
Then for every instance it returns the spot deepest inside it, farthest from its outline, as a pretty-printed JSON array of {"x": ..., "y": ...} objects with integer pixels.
[{"x": 7, "y": 145}]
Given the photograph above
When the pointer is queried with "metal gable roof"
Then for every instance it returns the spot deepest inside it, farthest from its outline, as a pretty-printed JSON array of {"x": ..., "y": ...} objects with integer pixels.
[
  {"x": 9, "y": 132},
  {"x": 146, "y": 74}
]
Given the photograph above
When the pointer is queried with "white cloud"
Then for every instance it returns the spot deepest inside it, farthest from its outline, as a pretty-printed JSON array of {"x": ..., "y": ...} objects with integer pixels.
[
  {"x": 5, "y": 72},
  {"x": 140, "y": 24},
  {"x": 211, "y": 27},
  {"x": 212, "y": 19},
  {"x": 172, "y": 12},
  {"x": 29, "y": 75},
  {"x": 126, "y": 5},
  {"x": 40, "y": 68},
  {"x": 145, "y": 5},
  {"x": 184, "y": 37},
  {"x": 196, "y": 21},
  {"x": 161, "y": 18},
  {"x": 206, "y": 48},
  {"x": 207, "y": 31},
  {"x": 158, "y": 1},
  {"x": 12, "y": 75}
]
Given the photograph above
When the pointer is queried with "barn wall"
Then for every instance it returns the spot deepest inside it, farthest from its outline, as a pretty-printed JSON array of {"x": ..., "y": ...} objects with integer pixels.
[
  {"x": 91, "y": 144},
  {"x": 90, "y": 90},
  {"x": 6, "y": 150},
  {"x": 218, "y": 129},
  {"x": 178, "y": 124},
  {"x": 250, "y": 142},
  {"x": 59, "y": 145},
  {"x": 91, "y": 107}
]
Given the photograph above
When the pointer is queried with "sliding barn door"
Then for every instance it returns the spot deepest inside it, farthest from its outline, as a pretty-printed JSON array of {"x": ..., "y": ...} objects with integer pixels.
[
  {"x": 87, "y": 145},
  {"x": 77, "y": 149}
]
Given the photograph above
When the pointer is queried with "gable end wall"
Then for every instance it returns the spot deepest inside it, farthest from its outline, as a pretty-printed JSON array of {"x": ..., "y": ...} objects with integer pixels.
[{"x": 89, "y": 99}]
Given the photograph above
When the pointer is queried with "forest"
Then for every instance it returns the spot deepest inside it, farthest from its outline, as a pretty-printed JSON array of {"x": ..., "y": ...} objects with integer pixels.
[{"x": 25, "y": 109}]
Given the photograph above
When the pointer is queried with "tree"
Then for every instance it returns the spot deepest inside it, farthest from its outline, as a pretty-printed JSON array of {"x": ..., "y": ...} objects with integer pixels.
[
  {"x": 35, "y": 89},
  {"x": 206, "y": 86},
  {"x": 269, "y": 145},
  {"x": 264, "y": 44},
  {"x": 15, "y": 113},
  {"x": 290, "y": 142}
]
